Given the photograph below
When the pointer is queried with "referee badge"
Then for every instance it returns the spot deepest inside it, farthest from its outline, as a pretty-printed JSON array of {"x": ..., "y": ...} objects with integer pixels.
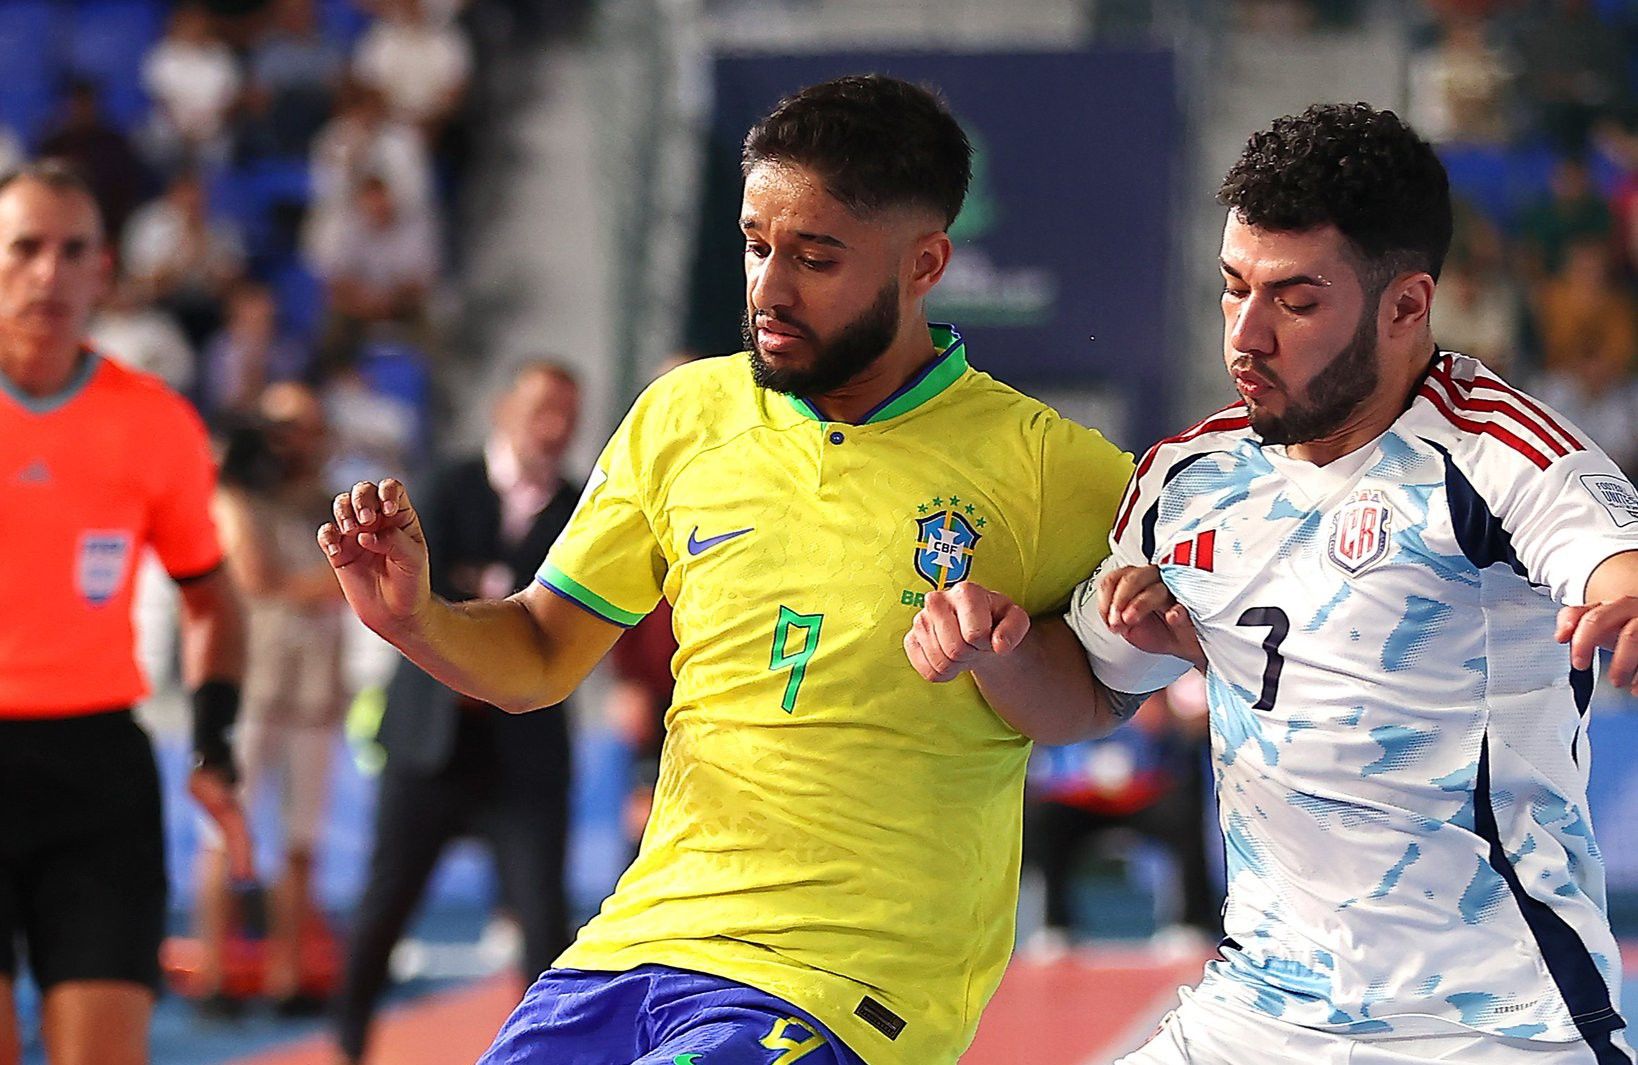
[{"x": 100, "y": 565}]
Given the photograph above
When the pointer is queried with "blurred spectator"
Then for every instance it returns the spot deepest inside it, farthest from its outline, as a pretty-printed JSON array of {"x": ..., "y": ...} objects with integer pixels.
[
  {"x": 1148, "y": 777},
  {"x": 362, "y": 140},
  {"x": 1477, "y": 313},
  {"x": 1604, "y": 408},
  {"x": 1572, "y": 66},
  {"x": 272, "y": 498},
  {"x": 1584, "y": 315},
  {"x": 1479, "y": 308},
  {"x": 116, "y": 173},
  {"x": 187, "y": 256},
  {"x": 379, "y": 264},
  {"x": 249, "y": 353},
  {"x": 295, "y": 74},
  {"x": 457, "y": 767},
  {"x": 1618, "y": 138},
  {"x": 420, "y": 64},
  {"x": 237, "y": 21},
  {"x": 375, "y": 434},
  {"x": 1571, "y": 211},
  {"x": 1459, "y": 86},
  {"x": 194, "y": 81},
  {"x": 129, "y": 328}
]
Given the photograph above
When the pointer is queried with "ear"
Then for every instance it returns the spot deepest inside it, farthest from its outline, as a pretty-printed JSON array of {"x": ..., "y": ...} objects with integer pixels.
[
  {"x": 1407, "y": 304},
  {"x": 928, "y": 258}
]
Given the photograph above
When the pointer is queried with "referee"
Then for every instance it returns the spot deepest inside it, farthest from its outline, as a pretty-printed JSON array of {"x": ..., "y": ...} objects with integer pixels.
[{"x": 97, "y": 464}]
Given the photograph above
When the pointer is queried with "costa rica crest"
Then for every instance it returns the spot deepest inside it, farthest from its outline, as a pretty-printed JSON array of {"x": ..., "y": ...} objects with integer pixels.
[
  {"x": 944, "y": 547},
  {"x": 1361, "y": 532}
]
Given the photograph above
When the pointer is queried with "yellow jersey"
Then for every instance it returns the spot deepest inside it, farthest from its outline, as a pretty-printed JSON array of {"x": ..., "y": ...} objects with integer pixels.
[{"x": 828, "y": 827}]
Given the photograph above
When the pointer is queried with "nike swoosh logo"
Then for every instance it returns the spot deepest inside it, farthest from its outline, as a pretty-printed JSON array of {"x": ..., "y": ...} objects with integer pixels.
[
  {"x": 696, "y": 545},
  {"x": 685, "y": 1059}
]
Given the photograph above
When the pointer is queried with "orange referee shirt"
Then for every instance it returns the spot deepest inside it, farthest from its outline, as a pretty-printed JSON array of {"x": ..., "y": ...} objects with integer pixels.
[{"x": 89, "y": 478}]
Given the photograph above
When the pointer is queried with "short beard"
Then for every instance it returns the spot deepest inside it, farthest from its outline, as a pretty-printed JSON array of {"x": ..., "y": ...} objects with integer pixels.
[
  {"x": 1332, "y": 396},
  {"x": 836, "y": 361}
]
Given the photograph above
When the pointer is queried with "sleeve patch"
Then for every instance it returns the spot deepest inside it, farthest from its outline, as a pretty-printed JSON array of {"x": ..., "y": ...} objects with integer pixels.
[{"x": 1617, "y": 496}]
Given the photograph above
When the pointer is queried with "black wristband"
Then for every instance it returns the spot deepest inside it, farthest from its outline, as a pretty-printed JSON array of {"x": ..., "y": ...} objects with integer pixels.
[{"x": 215, "y": 708}]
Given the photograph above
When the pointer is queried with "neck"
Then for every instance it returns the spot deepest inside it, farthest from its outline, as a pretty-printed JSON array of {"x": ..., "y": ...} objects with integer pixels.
[
  {"x": 1400, "y": 380},
  {"x": 39, "y": 369},
  {"x": 910, "y": 351}
]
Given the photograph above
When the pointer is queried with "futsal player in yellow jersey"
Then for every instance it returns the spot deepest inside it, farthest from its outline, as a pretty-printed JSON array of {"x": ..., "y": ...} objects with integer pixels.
[{"x": 830, "y": 872}]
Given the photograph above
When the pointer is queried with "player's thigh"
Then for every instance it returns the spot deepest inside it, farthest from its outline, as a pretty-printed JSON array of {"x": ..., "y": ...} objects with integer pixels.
[
  {"x": 96, "y": 1022},
  {"x": 748, "y": 1036}
]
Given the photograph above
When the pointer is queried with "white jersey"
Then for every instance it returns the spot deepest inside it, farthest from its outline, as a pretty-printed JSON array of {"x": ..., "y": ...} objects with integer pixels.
[{"x": 1401, "y": 767}]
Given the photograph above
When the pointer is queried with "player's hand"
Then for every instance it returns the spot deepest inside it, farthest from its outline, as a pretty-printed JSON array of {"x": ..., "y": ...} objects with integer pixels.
[
  {"x": 220, "y": 801},
  {"x": 961, "y": 627},
  {"x": 379, "y": 554},
  {"x": 1612, "y": 625},
  {"x": 1136, "y": 604}
]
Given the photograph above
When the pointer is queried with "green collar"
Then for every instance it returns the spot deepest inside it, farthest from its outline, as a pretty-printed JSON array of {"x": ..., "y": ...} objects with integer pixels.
[{"x": 934, "y": 378}]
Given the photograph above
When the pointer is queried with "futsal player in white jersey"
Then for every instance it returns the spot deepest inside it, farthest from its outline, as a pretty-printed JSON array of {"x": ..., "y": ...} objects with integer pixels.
[{"x": 1378, "y": 556}]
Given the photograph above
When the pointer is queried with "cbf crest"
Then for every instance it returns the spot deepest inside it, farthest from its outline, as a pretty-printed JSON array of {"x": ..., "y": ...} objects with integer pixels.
[
  {"x": 947, "y": 534},
  {"x": 1361, "y": 532}
]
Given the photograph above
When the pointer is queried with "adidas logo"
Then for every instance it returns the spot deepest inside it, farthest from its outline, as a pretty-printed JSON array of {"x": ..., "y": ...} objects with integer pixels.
[{"x": 35, "y": 473}]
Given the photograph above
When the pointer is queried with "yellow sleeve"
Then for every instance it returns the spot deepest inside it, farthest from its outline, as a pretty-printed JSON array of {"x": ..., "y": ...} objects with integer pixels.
[
  {"x": 1082, "y": 479},
  {"x": 608, "y": 558}
]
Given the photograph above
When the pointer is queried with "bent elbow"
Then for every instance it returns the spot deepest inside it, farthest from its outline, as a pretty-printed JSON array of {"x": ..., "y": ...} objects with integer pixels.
[{"x": 528, "y": 704}]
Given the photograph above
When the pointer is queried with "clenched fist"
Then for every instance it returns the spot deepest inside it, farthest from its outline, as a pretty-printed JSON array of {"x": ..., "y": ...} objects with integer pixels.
[{"x": 960, "y": 627}]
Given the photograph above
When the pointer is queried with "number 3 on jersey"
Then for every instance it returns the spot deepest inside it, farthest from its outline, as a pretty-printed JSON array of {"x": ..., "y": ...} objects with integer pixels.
[
  {"x": 1279, "y": 627},
  {"x": 784, "y": 657}
]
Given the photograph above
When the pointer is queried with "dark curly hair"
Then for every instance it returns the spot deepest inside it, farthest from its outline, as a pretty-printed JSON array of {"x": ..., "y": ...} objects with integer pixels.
[
  {"x": 875, "y": 141},
  {"x": 1354, "y": 167}
]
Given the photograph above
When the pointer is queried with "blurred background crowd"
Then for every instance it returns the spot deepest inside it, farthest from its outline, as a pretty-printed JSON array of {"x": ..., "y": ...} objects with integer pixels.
[{"x": 350, "y": 231}]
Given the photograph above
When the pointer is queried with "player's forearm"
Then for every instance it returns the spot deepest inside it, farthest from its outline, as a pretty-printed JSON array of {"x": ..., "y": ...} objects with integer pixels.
[
  {"x": 491, "y": 650},
  {"x": 1615, "y": 577},
  {"x": 213, "y": 630},
  {"x": 1045, "y": 688}
]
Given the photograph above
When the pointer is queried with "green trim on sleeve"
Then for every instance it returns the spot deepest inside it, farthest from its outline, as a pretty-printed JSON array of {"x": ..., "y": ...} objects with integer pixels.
[{"x": 569, "y": 588}]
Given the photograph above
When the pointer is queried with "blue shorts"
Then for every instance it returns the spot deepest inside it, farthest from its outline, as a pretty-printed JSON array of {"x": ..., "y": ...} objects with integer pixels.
[{"x": 656, "y": 1015}]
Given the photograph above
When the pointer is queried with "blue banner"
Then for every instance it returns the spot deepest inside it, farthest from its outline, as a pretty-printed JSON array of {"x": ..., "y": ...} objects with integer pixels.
[{"x": 1059, "y": 278}]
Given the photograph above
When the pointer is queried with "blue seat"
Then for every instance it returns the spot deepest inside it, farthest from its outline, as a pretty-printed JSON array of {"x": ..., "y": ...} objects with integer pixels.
[
  {"x": 27, "y": 112},
  {"x": 107, "y": 41},
  {"x": 270, "y": 182},
  {"x": 1500, "y": 182},
  {"x": 300, "y": 295},
  {"x": 28, "y": 38},
  {"x": 343, "y": 21}
]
